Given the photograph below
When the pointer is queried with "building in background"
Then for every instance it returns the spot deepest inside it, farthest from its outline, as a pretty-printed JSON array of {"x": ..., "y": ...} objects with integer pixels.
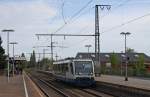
[{"x": 118, "y": 59}]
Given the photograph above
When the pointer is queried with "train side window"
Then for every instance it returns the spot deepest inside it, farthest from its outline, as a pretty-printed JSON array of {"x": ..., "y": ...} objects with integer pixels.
[
  {"x": 66, "y": 67},
  {"x": 71, "y": 68}
]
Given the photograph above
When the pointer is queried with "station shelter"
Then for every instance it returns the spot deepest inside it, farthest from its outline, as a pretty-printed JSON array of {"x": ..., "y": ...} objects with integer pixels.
[{"x": 17, "y": 61}]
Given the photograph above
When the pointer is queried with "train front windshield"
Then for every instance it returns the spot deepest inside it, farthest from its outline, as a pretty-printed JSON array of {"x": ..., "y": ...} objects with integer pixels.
[{"x": 83, "y": 67}]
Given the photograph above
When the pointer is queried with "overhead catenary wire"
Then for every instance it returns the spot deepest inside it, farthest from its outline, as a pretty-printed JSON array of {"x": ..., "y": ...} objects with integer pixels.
[
  {"x": 130, "y": 21},
  {"x": 62, "y": 8},
  {"x": 125, "y": 23},
  {"x": 74, "y": 15},
  {"x": 85, "y": 6},
  {"x": 120, "y": 25},
  {"x": 120, "y": 5}
]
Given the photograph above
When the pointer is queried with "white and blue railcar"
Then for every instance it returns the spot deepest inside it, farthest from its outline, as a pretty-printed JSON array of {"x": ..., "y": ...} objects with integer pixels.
[{"x": 79, "y": 72}]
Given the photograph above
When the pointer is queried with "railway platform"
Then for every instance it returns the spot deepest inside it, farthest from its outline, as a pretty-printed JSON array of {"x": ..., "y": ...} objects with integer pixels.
[
  {"x": 138, "y": 83},
  {"x": 18, "y": 86}
]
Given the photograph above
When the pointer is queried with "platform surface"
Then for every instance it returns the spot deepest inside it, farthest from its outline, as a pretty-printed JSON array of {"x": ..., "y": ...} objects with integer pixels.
[
  {"x": 13, "y": 88},
  {"x": 132, "y": 82},
  {"x": 16, "y": 87}
]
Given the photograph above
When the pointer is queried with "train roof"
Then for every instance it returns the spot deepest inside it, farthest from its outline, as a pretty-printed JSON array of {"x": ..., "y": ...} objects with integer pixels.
[
  {"x": 70, "y": 60},
  {"x": 62, "y": 61}
]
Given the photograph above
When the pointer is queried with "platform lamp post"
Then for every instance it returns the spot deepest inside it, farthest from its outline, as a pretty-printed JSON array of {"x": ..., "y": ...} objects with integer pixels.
[
  {"x": 13, "y": 44},
  {"x": 8, "y": 31},
  {"x": 126, "y": 70},
  {"x": 88, "y": 46}
]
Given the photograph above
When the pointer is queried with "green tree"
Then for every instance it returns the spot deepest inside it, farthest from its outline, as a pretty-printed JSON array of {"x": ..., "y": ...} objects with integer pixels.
[
  {"x": 140, "y": 67},
  {"x": 130, "y": 50},
  {"x": 23, "y": 64},
  {"x": 114, "y": 60},
  {"x": 32, "y": 62},
  {"x": 46, "y": 64},
  {"x": 2, "y": 56}
]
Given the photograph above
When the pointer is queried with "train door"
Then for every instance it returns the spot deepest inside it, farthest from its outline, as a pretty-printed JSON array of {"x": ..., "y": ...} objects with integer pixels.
[{"x": 71, "y": 71}]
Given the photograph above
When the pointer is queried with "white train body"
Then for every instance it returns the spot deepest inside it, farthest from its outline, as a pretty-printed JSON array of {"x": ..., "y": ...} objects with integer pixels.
[{"x": 76, "y": 71}]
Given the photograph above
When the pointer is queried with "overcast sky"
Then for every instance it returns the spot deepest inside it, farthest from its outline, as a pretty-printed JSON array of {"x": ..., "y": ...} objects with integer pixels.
[{"x": 30, "y": 17}]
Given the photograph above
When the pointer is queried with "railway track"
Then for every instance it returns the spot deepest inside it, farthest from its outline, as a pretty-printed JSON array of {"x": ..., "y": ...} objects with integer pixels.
[
  {"x": 54, "y": 89},
  {"x": 121, "y": 91},
  {"x": 48, "y": 89},
  {"x": 101, "y": 89},
  {"x": 107, "y": 89}
]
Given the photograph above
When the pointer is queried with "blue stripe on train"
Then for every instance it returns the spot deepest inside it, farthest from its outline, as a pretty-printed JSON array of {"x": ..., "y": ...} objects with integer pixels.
[{"x": 80, "y": 81}]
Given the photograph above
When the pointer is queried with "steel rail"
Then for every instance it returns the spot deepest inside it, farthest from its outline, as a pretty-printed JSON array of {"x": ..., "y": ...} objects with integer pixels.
[
  {"x": 51, "y": 86},
  {"x": 74, "y": 92},
  {"x": 120, "y": 90},
  {"x": 45, "y": 93}
]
